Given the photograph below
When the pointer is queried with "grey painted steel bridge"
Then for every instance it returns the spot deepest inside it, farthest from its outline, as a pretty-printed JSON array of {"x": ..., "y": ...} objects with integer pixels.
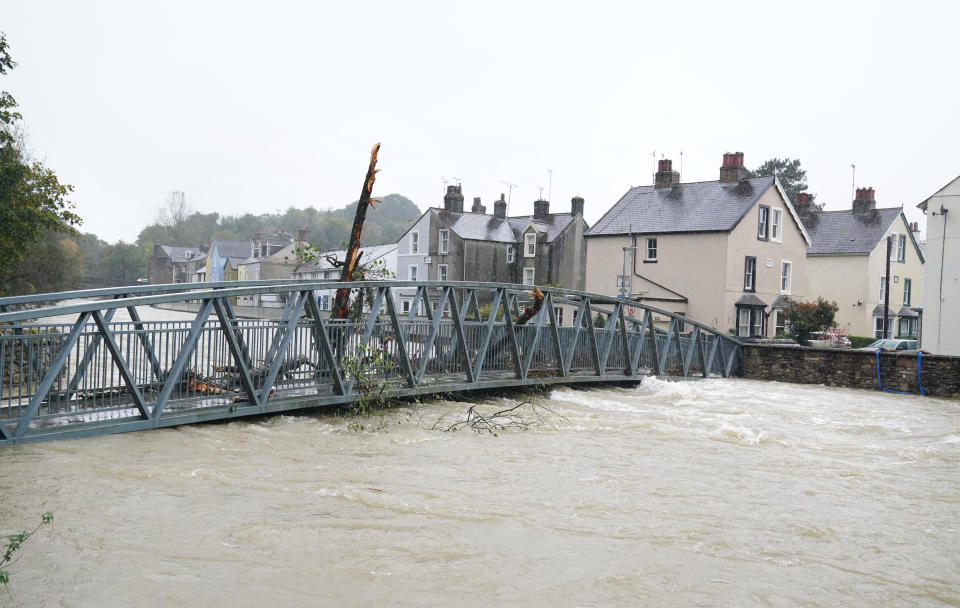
[{"x": 96, "y": 375}]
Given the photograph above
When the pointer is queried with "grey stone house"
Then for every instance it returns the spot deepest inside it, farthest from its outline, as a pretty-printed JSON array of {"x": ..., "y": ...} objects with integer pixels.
[
  {"x": 449, "y": 244},
  {"x": 170, "y": 264}
]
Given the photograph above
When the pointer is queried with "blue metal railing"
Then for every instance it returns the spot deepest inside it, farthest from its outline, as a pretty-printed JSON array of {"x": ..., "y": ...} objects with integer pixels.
[{"x": 95, "y": 375}]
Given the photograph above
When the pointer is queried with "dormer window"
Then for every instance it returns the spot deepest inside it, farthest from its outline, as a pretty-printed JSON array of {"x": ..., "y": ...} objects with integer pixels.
[{"x": 530, "y": 245}]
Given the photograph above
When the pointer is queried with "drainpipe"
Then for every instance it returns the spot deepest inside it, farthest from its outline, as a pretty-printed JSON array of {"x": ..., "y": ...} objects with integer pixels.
[{"x": 886, "y": 292}]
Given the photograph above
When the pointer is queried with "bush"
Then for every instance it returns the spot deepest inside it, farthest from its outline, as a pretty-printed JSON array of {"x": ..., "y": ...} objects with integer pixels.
[
  {"x": 860, "y": 341},
  {"x": 805, "y": 318}
]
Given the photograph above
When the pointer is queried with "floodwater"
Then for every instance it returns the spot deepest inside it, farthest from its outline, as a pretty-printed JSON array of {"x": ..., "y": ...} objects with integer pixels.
[{"x": 696, "y": 493}]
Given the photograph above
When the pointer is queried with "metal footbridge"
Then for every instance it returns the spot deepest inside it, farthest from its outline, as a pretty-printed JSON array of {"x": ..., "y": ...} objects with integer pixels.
[{"x": 71, "y": 366}]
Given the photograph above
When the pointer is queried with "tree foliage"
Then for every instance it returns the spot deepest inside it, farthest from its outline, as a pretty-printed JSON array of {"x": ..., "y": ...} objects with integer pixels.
[
  {"x": 51, "y": 263},
  {"x": 792, "y": 176},
  {"x": 330, "y": 229},
  {"x": 33, "y": 202},
  {"x": 805, "y": 318}
]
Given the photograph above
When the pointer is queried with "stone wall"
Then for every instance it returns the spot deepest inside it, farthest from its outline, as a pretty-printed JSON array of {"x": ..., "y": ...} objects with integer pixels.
[{"x": 852, "y": 368}]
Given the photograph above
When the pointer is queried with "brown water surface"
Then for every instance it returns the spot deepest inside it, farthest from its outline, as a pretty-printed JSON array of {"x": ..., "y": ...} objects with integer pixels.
[{"x": 700, "y": 493}]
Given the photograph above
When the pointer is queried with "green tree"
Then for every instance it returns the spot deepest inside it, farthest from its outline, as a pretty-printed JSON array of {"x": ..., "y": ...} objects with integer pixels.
[
  {"x": 33, "y": 202},
  {"x": 125, "y": 261},
  {"x": 51, "y": 263},
  {"x": 788, "y": 170},
  {"x": 805, "y": 318}
]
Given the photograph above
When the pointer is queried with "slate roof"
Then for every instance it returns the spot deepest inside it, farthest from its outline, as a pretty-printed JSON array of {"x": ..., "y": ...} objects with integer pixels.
[
  {"x": 179, "y": 254},
  {"x": 482, "y": 227},
  {"x": 233, "y": 249},
  {"x": 693, "y": 207},
  {"x": 749, "y": 299},
  {"x": 846, "y": 232}
]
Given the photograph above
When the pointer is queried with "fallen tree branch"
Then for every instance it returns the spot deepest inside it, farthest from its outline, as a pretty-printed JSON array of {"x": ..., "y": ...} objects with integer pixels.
[
  {"x": 511, "y": 418},
  {"x": 530, "y": 311}
]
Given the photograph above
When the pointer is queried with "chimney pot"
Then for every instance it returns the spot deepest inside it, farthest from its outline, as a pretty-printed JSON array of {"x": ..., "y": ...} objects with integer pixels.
[
  {"x": 500, "y": 208},
  {"x": 865, "y": 200},
  {"x": 576, "y": 206},
  {"x": 453, "y": 200},
  {"x": 541, "y": 209},
  {"x": 732, "y": 169},
  {"x": 666, "y": 176}
]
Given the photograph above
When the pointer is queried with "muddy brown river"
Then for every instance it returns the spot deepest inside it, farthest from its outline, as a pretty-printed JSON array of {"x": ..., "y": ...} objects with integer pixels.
[{"x": 694, "y": 493}]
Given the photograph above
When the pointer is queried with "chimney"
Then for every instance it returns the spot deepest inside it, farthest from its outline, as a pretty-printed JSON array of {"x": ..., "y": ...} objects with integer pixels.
[
  {"x": 541, "y": 209},
  {"x": 453, "y": 199},
  {"x": 804, "y": 204},
  {"x": 732, "y": 169},
  {"x": 914, "y": 227},
  {"x": 477, "y": 207},
  {"x": 666, "y": 176},
  {"x": 500, "y": 208},
  {"x": 865, "y": 200},
  {"x": 576, "y": 206}
]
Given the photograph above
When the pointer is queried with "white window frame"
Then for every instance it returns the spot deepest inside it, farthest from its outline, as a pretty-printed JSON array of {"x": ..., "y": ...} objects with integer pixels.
[
  {"x": 415, "y": 242},
  {"x": 405, "y": 306},
  {"x": 413, "y": 272},
  {"x": 786, "y": 276},
  {"x": 530, "y": 245},
  {"x": 907, "y": 289},
  {"x": 751, "y": 284},
  {"x": 763, "y": 223},
  {"x": 901, "y": 248},
  {"x": 443, "y": 241},
  {"x": 883, "y": 287},
  {"x": 529, "y": 276},
  {"x": 878, "y": 328},
  {"x": 776, "y": 225},
  {"x": 779, "y": 322},
  {"x": 651, "y": 246},
  {"x": 743, "y": 323},
  {"x": 511, "y": 252},
  {"x": 442, "y": 272},
  {"x": 558, "y": 315}
]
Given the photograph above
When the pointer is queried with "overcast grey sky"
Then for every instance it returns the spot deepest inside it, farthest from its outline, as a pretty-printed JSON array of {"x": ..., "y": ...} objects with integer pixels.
[{"x": 254, "y": 107}]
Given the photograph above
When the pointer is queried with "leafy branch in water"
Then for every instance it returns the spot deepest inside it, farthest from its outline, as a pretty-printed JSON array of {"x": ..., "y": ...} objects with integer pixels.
[
  {"x": 12, "y": 552},
  {"x": 368, "y": 369}
]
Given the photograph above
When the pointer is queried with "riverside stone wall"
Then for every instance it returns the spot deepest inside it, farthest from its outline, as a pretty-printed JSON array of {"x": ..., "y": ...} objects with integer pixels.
[{"x": 852, "y": 368}]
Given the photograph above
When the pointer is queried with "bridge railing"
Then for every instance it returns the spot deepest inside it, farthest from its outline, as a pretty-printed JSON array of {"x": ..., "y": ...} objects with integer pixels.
[{"x": 69, "y": 368}]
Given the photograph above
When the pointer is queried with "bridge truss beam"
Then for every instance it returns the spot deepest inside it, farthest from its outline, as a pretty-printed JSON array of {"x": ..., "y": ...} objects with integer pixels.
[{"x": 56, "y": 381}]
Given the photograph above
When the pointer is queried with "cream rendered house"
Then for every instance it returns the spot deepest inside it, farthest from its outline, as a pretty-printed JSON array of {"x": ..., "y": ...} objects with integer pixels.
[
  {"x": 941, "y": 280},
  {"x": 847, "y": 264},
  {"x": 726, "y": 253}
]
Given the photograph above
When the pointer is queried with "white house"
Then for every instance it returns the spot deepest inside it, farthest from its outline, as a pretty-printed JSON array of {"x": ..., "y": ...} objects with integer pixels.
[
  {"x": 941, "y": 273},
  {"x": 384, "y": 256}
]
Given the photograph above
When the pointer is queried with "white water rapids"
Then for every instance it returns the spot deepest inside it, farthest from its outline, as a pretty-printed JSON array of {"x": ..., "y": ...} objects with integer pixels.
[{"x": 696, "y": 493}]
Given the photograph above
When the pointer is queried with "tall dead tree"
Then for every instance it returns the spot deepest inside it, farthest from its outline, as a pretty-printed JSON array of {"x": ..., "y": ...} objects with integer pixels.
[{"x": 341, "y": 304}]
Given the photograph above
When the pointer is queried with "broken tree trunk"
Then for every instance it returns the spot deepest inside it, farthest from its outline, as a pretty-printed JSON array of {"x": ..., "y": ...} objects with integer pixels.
[{"x": 341, "y": 304}]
